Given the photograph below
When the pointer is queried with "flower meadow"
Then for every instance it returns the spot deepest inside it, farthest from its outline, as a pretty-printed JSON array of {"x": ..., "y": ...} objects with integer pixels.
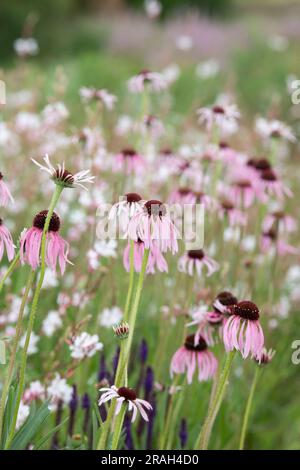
[{"x": 127, "y": 322}]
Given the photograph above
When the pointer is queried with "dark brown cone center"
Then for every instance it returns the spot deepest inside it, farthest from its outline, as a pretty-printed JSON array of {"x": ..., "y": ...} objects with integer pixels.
[
  {"x": 155, "y": 207},
  {"x": 133, "y": 197},
  {"x": 196, "y": 254},
  {"x": 127, "y": 393},
  {"x": 189, "y": 344},
  {"x": 40, "y": 219},
  {"x": 247, "y": 310}
]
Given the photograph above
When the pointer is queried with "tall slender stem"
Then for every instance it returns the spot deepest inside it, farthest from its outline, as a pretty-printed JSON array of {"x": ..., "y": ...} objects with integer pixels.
[
  {"x": 118, "y": 427},
  {"x": 248, "y": 408},
  {"x": 12, "y": 266},
  {"x": 124, "y": 357},
  {"x": 204, "y": 436},
  {"x": 12, "y": 360},
  {"x": 131, "y": 279},
  {"x": 33, "y": 310}
]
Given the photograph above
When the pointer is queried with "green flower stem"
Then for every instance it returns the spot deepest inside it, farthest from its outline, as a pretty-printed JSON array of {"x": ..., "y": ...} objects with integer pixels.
[
  {"x": 12, "y": 360},
  {"x": 204, "y": 436},
  {"x": 131, "y": 280},
  {"x": 248, "y": 408},
  {"x": 118, "y": 427},
  {"x": 12, "y": 266},
  {"x": 54, "y": 200},
  {"x": 123, "y": 360}
]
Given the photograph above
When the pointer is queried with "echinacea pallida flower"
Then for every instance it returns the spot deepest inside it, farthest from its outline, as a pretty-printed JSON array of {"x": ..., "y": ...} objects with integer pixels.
[
  {"x": 5, "y": 196},
  {"x": 194, "y": 355},
  {"x": 194, "y": 260},
  {"x": 242, "y": 330},
  {"x": 127, "y": 396},
  {"x": 62, "y": 177},
  {"x": 6, "y": 242},
  {"x": 154, "y": 227},
  {"x": 56, "y": 247}
]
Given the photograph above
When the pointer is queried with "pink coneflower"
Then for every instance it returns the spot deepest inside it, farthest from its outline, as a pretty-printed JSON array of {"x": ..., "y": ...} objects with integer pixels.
[
  {"x": 106, "y": 98},
  {"x": 186, "y": 195},
  {"x": 228, "y": 210},
  {"x": 273, "y": 186},
  {"x": 6, "y": 242},
  {"x": 265, "y": 357},
  {"x": 208, "y": 324},
  {"x": 155, "y": 260},
  {"x": 127, "y": 396},
  {"x": 228, "y": 155},
  {"x": 154, "y": 227},
  {"x": 62, "y": 177},
  {"x": 224, "y": 301},
  {"x": 245, "y": 187},
  {"x": 153, "y": 81},
  {"x": 278, "y": 218},
  {"x": 5, "y": 196},
  {"x": 274, "y": 129},
  {"x": 242, "y": 330},
  {"x": 190, "y": 356},
  {"x": 128, "y": 161},
  {"x": 57, "y": 248},
  {"x": 224, "y": 117},
  {"x": 269, "y": 240},
  {"x": 152, "y": 126},
  {"x": 124, "y": 210},
  {"x": 194, "y": 260}
]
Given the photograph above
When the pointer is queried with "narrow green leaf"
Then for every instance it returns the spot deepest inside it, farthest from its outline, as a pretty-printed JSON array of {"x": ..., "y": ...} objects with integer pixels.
[{"x": 50, "y": 434}]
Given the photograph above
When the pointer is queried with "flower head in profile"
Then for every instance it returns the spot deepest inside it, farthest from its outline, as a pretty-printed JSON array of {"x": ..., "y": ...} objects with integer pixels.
[
  {"x": 128, "y": 161},
  {"x": 5, "y": 196},
  {"x": 153, "y": 81},
  {"x": 223, "y": 117},
  {"x": 123, "y": 211},
  {"x": 265, "y": 357},
  {"x": 91, "y": 94},
  {"x": 156, "y": 259},
  {"x": 192, "y": 355},
  {"x": 127, "y": 396},
  {"x": 6, "y": 242},
  {"x": 154, "y": 227},
  {"x": 274, "y": 129},
  {"x": 194, "y": 261},
  {"x": 242, "y": 330},
  {"x": 62, "y": 177},
  {"x": 57, "y": 248}
]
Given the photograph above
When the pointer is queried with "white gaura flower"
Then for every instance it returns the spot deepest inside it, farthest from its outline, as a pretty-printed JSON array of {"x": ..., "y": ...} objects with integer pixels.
[
  {"x": 127, "y": 396},
  {"x": 85, "y": 345},
  {"x": 55, "y": 113},
  {"x": 184, "y": 42},
  {"x": 106, "y": 248},
  {"x": 26, "y": 47},
  {"x": 59, "y": 392},
  {"x": 208, "y": 69},
  {"x": 61, "y": 176},
  {"x": 23, "y": 414},
  {"x": 153, "y": 8},
  {"x": 32, "y": 348},
  {"x": 274, "y": 129},
  {"x": 171, "y": 73},
  {"x": 35, "y": 391},
  {"x": 110, "y": 317},
  {"x": 51, "y": 323}
]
